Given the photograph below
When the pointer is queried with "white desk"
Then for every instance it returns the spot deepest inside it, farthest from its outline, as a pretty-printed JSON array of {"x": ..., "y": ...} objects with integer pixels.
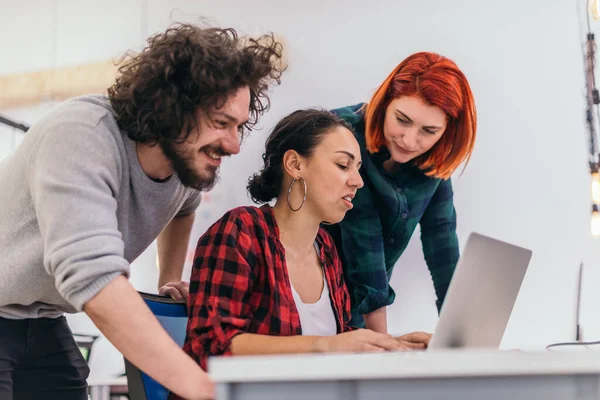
[{"x": 447, "y": 375}]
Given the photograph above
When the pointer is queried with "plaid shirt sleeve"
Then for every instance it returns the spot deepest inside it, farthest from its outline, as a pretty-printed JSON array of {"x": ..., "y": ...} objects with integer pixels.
[
  {"x": 220, "y": 284},
  {"x": 438, "y": 236},
  {"x": 362, "y": 243}
]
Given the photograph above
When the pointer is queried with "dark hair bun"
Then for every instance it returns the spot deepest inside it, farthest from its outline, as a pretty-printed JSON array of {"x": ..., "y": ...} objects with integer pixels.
[{"x": 264, "y": 186}]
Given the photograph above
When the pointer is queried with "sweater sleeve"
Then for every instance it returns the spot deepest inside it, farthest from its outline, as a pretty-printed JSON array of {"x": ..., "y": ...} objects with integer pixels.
[
  {"x": 191, "y": 203},
  {"x": 74, "y": 175}
]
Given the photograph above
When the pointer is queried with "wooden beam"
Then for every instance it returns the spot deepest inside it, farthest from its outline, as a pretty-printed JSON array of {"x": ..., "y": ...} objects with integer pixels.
[
  {"x": 30, "y": 88},
  {"x": 25, "y": 89}
]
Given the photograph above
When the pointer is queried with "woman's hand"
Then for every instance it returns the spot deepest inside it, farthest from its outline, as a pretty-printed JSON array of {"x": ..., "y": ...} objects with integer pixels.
[
  {"x": 362, "y": 340},
  {"x": 415, "y": 340}
]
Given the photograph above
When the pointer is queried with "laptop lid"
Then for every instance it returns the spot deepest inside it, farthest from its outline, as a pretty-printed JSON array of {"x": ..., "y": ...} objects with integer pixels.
[{"x": 481, "y": 295}]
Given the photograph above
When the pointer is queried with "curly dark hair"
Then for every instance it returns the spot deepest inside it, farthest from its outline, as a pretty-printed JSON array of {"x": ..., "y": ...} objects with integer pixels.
[{"x": 186, "y": 68}]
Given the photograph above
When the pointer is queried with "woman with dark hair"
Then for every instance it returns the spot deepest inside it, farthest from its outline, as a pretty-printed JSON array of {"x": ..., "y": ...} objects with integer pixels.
[
  {"x": 419, "y": 126},
  {"x": 269, "y": 280}
]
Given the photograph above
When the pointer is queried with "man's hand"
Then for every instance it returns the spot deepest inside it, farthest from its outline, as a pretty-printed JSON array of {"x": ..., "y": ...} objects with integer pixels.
[
  {"x": 415, "y": 340},
  {"x": 176, "y": 290}
]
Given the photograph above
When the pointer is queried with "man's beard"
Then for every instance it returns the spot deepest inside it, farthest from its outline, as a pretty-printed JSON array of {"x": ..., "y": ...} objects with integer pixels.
[{"x": 182, "y": 165}]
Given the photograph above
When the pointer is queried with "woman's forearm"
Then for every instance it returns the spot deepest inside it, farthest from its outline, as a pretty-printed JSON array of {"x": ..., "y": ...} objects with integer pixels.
[
  {"x": 377, "y": 320},
  {"x": 250, "y": 343}
]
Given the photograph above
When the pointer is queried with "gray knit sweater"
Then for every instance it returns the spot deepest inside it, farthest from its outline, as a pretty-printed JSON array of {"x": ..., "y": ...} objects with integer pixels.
[{"x": 75, "y": 209}]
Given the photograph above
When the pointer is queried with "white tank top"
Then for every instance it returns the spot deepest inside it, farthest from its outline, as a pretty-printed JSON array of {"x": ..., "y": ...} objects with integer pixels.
[{"x": 316, "y": 319}]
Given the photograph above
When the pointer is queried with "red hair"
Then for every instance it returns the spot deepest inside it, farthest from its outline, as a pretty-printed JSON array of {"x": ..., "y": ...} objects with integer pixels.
[{"x": 437, "y": 81}]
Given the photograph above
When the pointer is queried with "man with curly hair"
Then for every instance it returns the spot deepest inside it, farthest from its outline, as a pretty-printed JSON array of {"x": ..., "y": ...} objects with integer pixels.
[{"x": 97, "y": 180}]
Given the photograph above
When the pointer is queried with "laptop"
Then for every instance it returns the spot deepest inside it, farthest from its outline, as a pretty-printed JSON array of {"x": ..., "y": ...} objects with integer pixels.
[{"x": 481, "y": 295}]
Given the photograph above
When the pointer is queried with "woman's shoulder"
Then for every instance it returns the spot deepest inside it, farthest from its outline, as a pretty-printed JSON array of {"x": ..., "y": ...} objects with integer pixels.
[
  {"x": 250, "y": 217},
  {"x": 353, "y": 111},
  {"x": 246, "y": 227},
  {"x": 353, "y": 115}
]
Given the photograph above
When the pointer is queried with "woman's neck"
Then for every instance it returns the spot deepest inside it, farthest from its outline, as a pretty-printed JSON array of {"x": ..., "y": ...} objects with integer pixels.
[{"x": 297, "y": 230}]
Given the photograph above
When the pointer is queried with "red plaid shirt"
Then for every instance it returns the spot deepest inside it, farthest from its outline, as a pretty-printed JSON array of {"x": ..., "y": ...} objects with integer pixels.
[{"x": 240, "y": 284}]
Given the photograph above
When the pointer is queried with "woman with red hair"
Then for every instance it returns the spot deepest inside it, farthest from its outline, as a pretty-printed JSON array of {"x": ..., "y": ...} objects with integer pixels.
[{"x": 417, "y": 129}]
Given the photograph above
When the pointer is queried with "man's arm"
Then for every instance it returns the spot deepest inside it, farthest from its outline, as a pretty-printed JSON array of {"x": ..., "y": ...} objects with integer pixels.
[
  {"x": 72, "y": 176},
  {"x": 121, "y": 315},
  {"x": 172, "y": 246}
]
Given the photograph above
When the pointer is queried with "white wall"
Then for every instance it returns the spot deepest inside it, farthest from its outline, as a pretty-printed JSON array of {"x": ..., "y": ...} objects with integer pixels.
[{"x": 527, "y": 182}]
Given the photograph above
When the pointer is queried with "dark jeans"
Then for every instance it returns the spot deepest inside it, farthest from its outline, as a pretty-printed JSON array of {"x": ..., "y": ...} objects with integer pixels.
[{"x": 39, "y": 359}]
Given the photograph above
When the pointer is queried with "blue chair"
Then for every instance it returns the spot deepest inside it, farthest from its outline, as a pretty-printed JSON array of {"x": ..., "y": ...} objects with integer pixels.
[{"x": 172, "y": 315}]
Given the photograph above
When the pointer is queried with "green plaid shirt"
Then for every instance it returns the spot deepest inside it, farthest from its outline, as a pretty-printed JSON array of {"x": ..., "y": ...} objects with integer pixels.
[{"x": 375, "y": 233}]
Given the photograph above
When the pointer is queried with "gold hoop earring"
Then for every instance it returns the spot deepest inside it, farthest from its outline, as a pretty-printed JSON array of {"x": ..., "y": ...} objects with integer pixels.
[{"x": 290, "y": 192}]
